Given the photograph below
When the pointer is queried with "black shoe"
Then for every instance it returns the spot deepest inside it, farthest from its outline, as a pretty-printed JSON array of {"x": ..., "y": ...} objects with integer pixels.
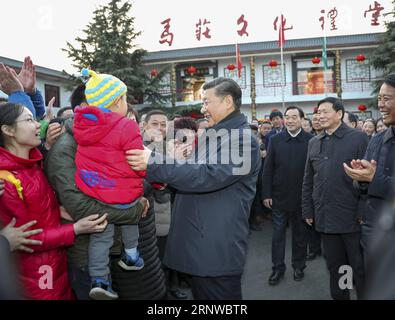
[
  {"x": 312, "y": 255},
  {"x": 298, "y": 274},
  {"x": 275, "y": 277},
  {"x": 178, "y": 294}
]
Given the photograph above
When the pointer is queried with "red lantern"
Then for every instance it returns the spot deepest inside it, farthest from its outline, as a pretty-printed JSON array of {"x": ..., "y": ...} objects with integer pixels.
[
  {"x": 191, "y": 70},
  {"x": 154, "y": 73},
  {"x": 316, "y": 60},
  {"x": 362, "y": 108},
  {"x": 231, "y": 67},
  {"x": 273, "y": 63},
  {"x": 360, "y": 58}
]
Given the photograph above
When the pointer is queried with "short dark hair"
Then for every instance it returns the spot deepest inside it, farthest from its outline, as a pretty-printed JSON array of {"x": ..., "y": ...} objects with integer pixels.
[
  {"x": 62, "y": 110},
  {"x": 154, "y": 112},
  {"x": 185, "y": 123},
  {"x": 336, "y": 104},
  {"x": 301, "y": 113},
  {"x": 309, "y": 121},
  {"x": 352, "y": 117},
  {"x": 174, "y": 116},
  {"x": 274, "y": 114},
  {"x": 78, "y": 96},
  {"x": 9, "y": 112},
  {"x": 371, "y": 121},
  {"x": 390, "y": 80},
  {"x": 225, "y": 87}
]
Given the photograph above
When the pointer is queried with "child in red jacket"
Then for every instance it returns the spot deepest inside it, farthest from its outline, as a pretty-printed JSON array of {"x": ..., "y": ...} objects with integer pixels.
[{"x": 103, "y": 134}]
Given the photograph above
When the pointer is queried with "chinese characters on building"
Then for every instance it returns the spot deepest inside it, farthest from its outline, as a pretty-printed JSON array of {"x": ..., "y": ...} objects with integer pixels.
[
  {"x": 376, "y": 13},
  {"x": 332, "y": 15},
  {"x": 327, "y": 21}
]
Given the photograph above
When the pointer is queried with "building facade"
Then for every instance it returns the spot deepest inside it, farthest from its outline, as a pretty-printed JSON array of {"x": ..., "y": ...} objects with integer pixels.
[{"x": 305, "y": 80}]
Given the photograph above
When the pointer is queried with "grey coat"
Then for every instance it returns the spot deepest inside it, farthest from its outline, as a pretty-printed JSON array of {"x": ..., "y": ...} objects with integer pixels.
[
  {"x": 328, "y": 194},
  {"x": 209, "y": 229}
]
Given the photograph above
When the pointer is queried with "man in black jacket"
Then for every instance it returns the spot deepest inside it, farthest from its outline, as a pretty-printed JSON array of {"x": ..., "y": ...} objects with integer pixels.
[
  {"x": 209, "y": 240},
  {"x": 375, "y": 174},
  {"x": 276, "y": 118},
  {"x": 329, "y": 199},
  {"x": 282, "y": 191}
]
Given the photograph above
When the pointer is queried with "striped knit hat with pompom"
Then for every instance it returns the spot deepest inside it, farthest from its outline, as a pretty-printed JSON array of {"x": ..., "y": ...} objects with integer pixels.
[{"x": 102, "y": 89}]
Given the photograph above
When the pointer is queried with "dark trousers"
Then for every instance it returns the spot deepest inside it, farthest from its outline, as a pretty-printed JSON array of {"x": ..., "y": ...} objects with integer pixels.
[
  {"x": 80, "y": 281},
  {"x": 342, "y": 250},
  {"x": 313, "y": 240},
  {"x": 299, "y": 240},
  {"x": 366, "y": 234},
  {"x": 216, "y": 288},
  {"x": 171, "y": 276}
]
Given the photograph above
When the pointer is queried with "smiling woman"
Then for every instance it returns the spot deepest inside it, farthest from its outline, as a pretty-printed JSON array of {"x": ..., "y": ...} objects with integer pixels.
[{"x": 28, "y": 197}]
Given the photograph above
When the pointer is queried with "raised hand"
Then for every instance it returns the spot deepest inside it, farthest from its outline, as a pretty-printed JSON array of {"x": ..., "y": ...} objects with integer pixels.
[
  {"x": 53, "y": 133},
  {"x": 27, "y": 76},
  {"x": 9, "y": 82},
  {"x": 50, "y": 114}
]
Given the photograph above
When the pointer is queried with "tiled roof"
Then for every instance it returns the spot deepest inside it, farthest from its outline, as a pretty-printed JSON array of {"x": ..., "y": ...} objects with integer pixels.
[{"x": 260, "y": 47}]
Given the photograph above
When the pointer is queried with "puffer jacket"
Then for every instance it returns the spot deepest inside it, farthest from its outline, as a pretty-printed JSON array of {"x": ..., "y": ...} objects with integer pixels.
[
  {"x": 43, "y": 273},
  {"x": 162, "y": 209},
  {"x": 102, "y": 171}
]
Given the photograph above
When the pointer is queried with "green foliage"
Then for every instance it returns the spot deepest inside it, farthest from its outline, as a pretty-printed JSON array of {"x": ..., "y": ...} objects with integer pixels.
[
  {"x": 383, "y": 58},
  {"x": 108, "y": 46}
]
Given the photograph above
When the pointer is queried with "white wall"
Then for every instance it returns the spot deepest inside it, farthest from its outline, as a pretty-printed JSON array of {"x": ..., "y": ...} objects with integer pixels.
[{"x": 64, "y": 94}]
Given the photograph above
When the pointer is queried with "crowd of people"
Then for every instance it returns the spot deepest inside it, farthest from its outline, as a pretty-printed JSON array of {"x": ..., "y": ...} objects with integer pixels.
[{"x": 103, "y": 202}]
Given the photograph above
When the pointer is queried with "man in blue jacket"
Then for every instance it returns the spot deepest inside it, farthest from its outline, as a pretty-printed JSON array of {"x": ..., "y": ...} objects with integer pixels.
[{"x": 215, "y": 189}]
